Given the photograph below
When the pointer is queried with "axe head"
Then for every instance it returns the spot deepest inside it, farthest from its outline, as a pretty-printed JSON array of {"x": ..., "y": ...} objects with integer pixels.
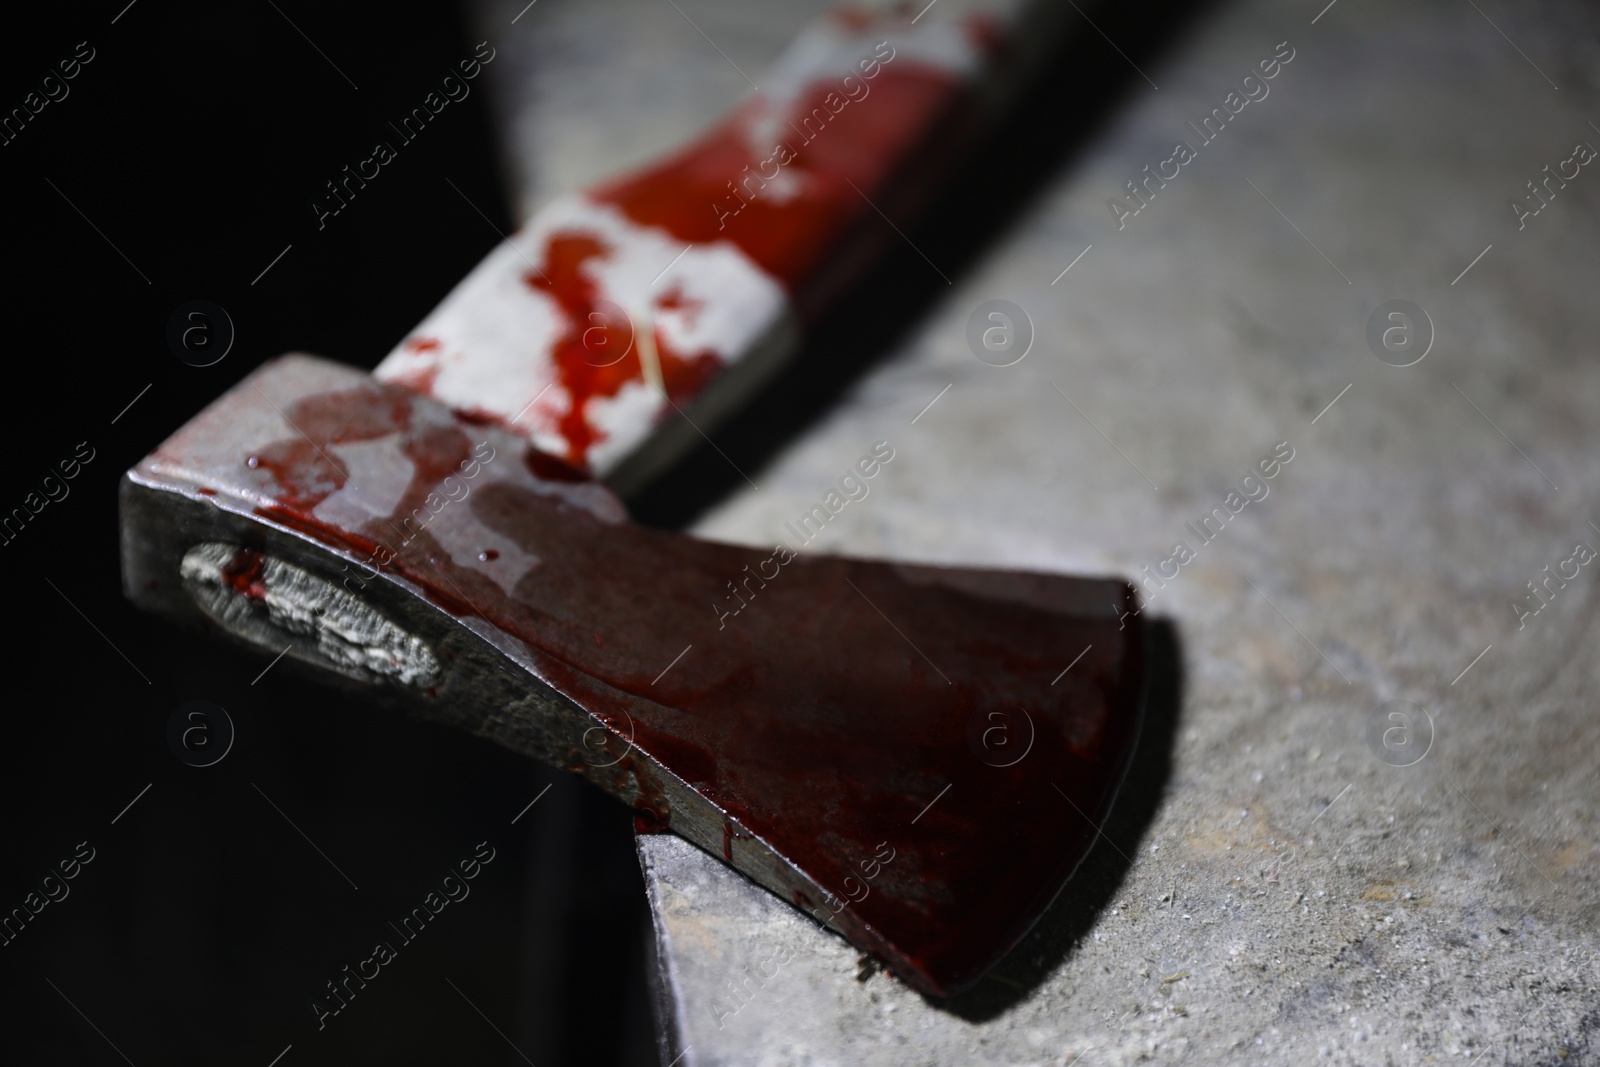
[{"x": 896, "y": 749}]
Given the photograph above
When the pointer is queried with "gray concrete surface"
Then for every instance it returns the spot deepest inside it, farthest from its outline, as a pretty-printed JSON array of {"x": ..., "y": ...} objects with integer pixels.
[{"x": 1269, "y": 890}]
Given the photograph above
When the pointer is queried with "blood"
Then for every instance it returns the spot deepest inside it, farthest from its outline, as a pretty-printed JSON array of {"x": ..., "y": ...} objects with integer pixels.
[
  {"x": 474, "y": 415},
  {"x": 675, "y": 300},
  {"x": 729, "y": 836},
  {"x": 651, "y": 812},
  {"x": 824, "y": 722},
  {"x": 803, "y": 240},
  {"x": 308, "y": 473},
  {"x": 592, "y": 329},
  {"x": 245, "y": 574},
  {"x": 839, "y": 154},
  {"x": 436, "y": 453},
  {"x": 802, "y": 237},
  {"x": 649, "y": 821},
  {"x": 548, "y": 468},
  {"x": 364, "y": 413}
]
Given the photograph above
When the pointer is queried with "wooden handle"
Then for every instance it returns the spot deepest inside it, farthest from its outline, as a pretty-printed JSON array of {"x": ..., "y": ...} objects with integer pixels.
[{"x": 675, "y": 290}]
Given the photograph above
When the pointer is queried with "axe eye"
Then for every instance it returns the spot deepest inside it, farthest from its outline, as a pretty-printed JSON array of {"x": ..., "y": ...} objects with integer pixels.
[{"x": 286, "y": 609}]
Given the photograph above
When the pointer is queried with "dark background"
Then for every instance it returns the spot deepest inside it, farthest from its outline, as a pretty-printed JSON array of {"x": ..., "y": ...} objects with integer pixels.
[{"x": 194, "y": 141}]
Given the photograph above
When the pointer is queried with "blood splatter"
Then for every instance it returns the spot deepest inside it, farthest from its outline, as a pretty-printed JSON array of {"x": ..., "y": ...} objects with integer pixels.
[
  {"x": 592, "y": 329},
  {"x": 245, "y": 574}
]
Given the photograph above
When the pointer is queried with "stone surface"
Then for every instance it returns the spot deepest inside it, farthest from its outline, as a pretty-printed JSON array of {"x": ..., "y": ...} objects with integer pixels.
[{"x": 1269, "y": 889}]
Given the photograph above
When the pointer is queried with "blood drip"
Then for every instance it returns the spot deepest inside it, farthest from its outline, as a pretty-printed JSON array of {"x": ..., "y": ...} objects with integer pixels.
[{"x": 592, "y": 329}]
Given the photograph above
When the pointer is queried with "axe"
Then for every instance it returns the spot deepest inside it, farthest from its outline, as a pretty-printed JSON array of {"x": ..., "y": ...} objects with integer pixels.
[{"x": 879, "y": 743}]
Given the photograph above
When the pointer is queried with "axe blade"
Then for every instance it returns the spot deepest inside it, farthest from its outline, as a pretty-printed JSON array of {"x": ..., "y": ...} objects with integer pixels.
[{"x": 894, "y": 748}]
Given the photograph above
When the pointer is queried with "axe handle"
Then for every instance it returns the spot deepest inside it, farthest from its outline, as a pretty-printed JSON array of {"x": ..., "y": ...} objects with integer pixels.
[{"x": 617, "y": 321}]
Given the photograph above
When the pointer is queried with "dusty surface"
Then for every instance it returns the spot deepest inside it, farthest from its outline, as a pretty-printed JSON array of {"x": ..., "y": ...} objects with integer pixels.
[{"x": 1271, "y": 890}]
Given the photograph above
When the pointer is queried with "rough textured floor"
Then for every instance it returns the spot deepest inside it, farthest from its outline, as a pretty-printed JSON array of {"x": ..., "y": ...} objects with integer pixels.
[{"x": 1273, "y": 887}]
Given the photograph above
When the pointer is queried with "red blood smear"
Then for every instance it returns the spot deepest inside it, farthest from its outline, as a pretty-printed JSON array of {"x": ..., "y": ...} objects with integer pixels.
[
  {"x": 306, "y": 466},
  {"x": 308, "y": 471},
  {"x": 729, "y": 836},
  {"x": 244, "y": 574},
  {"x": 436, "y": 453},
  {"x": 592, "y": 330},
  {"x": 361, "y": 414},
  {"x": 651, "y": 812},
  {"x": 802, "y": 236},
  {"x": 810, "y": 721},
  {"x": 836, "y": 145},
  {"x": 475, "y": 415},
  {"x": 811, "y": 239},
  {"x": 675, "y": 300}
]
